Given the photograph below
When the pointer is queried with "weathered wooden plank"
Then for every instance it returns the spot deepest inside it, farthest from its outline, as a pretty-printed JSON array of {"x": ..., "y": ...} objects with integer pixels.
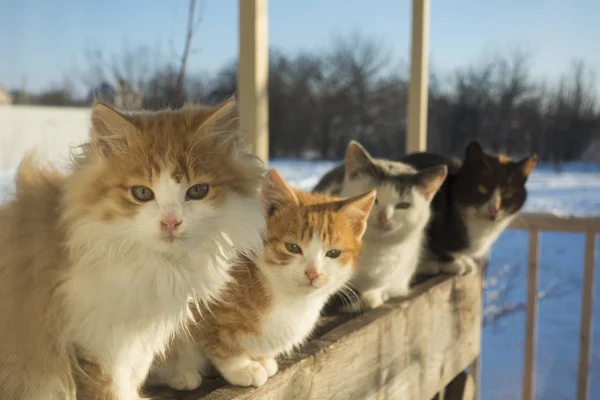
[
  {"x": 407, "y": 349},
  {"x": 587, "y": 302}
]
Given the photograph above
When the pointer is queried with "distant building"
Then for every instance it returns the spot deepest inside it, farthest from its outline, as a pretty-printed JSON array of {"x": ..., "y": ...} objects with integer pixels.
[{"x": 5, "y": 98}]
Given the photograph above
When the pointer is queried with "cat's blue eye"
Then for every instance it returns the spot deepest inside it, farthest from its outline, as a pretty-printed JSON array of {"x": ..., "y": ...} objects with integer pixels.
[
  {"x": 197, "y": 192},
  {"x": 293, "y": 248},
  {"x": 402, "y": 205},
  {"x": 142, "y": 193},
  {"x": 333, "y": 253}
]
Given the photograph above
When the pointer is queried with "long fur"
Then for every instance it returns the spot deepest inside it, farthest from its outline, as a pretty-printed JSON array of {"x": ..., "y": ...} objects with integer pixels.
[
  {"x": 90, "y": 290},
  {"x": 271, "y": 306}
]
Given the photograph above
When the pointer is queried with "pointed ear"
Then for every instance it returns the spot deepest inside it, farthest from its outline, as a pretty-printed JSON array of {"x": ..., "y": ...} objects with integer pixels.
[
  {"x": 110, "y": 129},
  {"x": 357, "y": 158},
  {"x": 527, "y": 165},
  {"x": 357, "y": 211},
  {"x": 276, "y": 192},
  {"x": 430, "y": 180},
  {"x": 474, "y": 151},
  {"x": 223, "y": 121}
]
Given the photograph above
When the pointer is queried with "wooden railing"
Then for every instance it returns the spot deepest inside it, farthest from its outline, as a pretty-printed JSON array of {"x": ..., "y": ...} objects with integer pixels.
[{"x": 535, "y": 223}]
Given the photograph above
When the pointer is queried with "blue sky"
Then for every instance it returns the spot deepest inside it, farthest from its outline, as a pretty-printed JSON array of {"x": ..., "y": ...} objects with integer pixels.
[{"x": 41, "y": 41}]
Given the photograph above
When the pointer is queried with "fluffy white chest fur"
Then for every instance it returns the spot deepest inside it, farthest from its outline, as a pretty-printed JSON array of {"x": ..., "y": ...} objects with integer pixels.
[
  {"x": 288, "y": 325},
  {"x": 385, "y": 269},
  {"x": 388, "y": 265},
  {"x": 483, "y": 233},
  {"x": 123, "y": 311}
]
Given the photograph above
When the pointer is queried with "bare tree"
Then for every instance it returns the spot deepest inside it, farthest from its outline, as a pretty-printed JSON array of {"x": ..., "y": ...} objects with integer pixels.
[{"x": 193, "y": 22}]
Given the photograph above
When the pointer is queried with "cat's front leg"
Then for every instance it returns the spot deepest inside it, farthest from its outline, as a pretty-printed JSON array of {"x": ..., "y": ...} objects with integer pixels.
[
  {"x": 461, "y": 265},
  {"x": 429, "y": 267},
  {"x": 374, "y": 298},
  {"x": 186, "y": 380},
  {"x": 182, "y": 369},
  {"x": 399, "y": 291},
  {"x": 269, "y": 364},
  {"x": 242, "y": 371}
]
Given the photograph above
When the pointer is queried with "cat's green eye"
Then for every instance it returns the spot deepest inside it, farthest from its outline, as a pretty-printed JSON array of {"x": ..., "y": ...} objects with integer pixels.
[
  {"x": 402, "y": 205},
  {"x": 507, "y": 195},
  {"x": 333, "y": 253},
  {"x": 482, "y": 189},
  {"x": 142, "y": 193},
  {"x": 293, "y": 248},
  {"x": 197, "y": 192}
]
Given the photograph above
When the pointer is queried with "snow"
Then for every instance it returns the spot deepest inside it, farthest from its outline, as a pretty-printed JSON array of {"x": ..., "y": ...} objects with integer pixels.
[{"x": 575, "y": 190}]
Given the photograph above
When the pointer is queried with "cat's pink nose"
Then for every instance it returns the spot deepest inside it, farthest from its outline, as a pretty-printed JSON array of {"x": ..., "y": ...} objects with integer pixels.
[
  {"x": 384, "y": 217},
  {"x": 170, "y": 223},
  {"x": 312, "y": 274}
]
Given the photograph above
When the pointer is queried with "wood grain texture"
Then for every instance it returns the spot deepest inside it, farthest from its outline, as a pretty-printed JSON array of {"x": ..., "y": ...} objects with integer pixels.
[{"x": 408, "y": 349}]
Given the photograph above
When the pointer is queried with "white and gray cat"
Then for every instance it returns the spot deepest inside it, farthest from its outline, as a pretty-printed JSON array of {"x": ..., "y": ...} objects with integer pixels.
[{"x": 396, "y": 230}]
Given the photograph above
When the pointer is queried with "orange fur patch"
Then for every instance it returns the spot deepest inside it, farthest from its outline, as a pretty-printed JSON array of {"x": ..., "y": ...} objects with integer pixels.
[
  {"x": 195, "y": 144},
  {"x": 248, "y": 298}
]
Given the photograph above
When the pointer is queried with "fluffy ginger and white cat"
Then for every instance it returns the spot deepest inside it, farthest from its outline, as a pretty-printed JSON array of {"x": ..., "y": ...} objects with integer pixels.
[
  {"x": 312, "y": 245},
  {"x": 97, "y": 266}
]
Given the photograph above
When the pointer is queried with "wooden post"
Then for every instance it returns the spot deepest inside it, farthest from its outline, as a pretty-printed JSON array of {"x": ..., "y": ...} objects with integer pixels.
[
  {"x": 587, "y": 303},
  {"x": 531, "y": 322},
  {"x": 253, "y": 75},
  {"x": 416, "y": 135}
]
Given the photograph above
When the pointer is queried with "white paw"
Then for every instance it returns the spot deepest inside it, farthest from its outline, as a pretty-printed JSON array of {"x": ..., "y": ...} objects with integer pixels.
[
  {"x": 252, "y": 374},
  {"x": 189, "y": 380},
  {"x": 373, "y": 298},
  {"x": 270, "y": 366},
  {"x": 462, "y": 265}
]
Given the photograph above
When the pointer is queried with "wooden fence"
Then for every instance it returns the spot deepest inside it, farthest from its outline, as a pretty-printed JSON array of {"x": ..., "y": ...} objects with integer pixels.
[{"x": 535, "y": 223}]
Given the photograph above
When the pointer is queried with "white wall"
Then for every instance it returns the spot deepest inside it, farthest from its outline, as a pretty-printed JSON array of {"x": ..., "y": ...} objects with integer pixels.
[{"x": 52, "y": 131}]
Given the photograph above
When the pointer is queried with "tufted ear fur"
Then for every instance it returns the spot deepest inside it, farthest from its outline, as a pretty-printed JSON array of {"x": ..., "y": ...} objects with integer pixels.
[
  {"x": 430, "y": 180},
  {"x": 357, "y": 158},
  {"x": 474, "y": 151},
  {"x": 110, "y": 129},
  {"x": 223, "y": 122},
  {"x": 357, "y": 210},
  {"x": 276, "y": 192},
  {"x": 527, "y": 165}
]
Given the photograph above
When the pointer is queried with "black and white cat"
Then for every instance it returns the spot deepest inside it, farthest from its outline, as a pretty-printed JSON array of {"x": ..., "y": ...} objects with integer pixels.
[
  {"x": 396, "y": 227},
  {"x": 478, "y": 200}
]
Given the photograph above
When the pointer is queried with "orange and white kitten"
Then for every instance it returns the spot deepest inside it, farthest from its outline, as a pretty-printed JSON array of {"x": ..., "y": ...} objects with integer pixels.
[
  {"x": 97, "y": 268},
  {"x": 271, "y": 306}
]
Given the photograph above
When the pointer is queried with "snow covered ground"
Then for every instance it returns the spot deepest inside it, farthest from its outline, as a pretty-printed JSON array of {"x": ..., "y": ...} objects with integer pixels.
[{"x": 575, "y": 190}]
